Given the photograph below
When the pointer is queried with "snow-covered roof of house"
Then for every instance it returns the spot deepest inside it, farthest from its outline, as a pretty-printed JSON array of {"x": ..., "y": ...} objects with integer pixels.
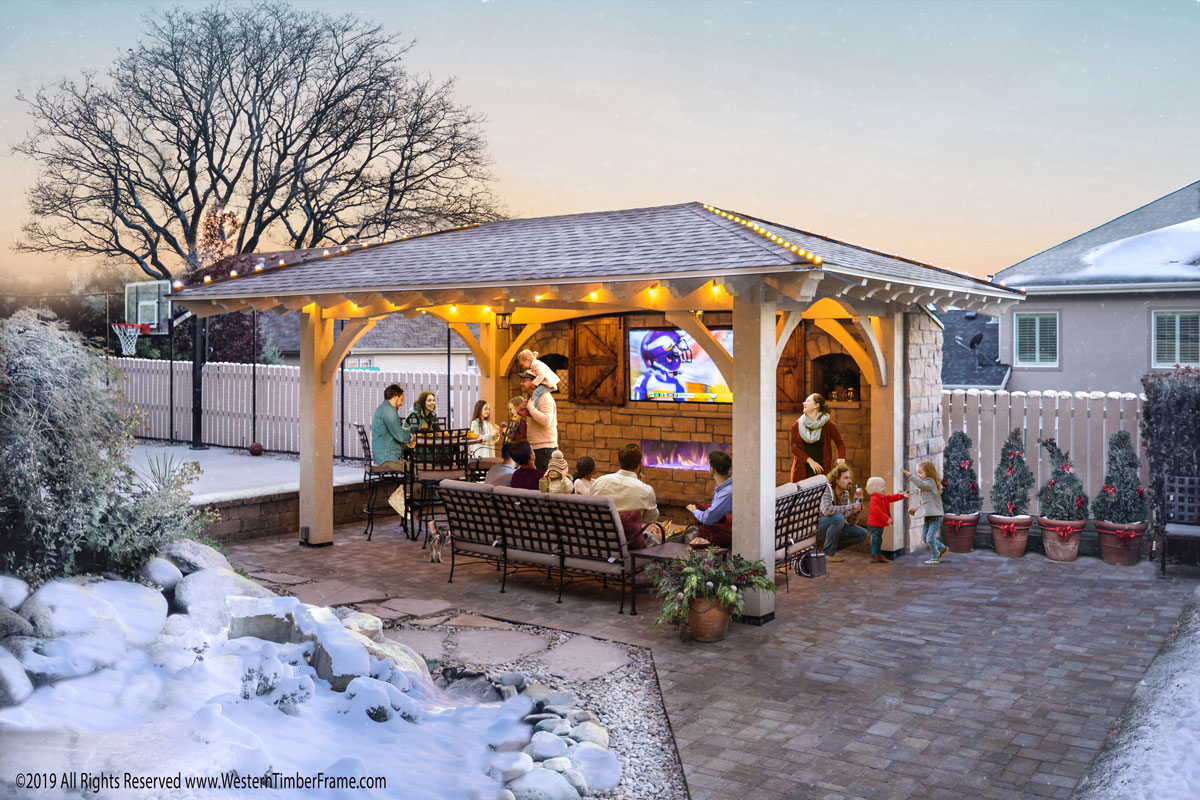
[
  {"x": 964, "y": 365},
  {"x": 1157, "y": 245},
  {"x": 393, "y": 333}
]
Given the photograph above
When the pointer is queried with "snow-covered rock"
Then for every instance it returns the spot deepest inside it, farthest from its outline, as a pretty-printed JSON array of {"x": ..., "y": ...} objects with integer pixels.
[
  {"x": 203, "y": 595},
  {"x": 269, "y": 618},
  {"x": 191, "y": 556},
  {"x": 599, "y": 766},
  {"x": 140, "y": 610},
  {"x": 509, "y": 766},
  {"x": 13, "y": 624},
  {"x": 161, "y": 573},
  {"x": 378, "y": 700},
  {"x": 543, "y": 784},
  {"x": 339, "y": 656},
  {"x": 13, "y": 592},
  {"x": 400, "y": 654},
  {"x": 360, "y": 622},
  {"x": 72, "y": 606},
  {"x": 72, "y": 655},
  {"x": 15, "y": 685}
]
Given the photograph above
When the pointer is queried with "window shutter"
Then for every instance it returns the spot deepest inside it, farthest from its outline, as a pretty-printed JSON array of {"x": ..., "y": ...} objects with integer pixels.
[
  {"x": 597, "y": 364},
  {"x": 1047, "y": 339},
  {"x": 1026, "y": 339},
  {"x": 790, "y": 389},
  {"x": 1189, "y": 338},
  {"x": 1164, "y": 338}
]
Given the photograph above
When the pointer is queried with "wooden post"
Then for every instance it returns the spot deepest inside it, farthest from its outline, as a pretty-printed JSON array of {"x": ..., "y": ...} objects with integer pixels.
[
  {"x": 493, "y": 383},
  {"x": 754, "y": 440},
  {"x": 316, "y": 429},
  {"x": 887, "y": 442}
]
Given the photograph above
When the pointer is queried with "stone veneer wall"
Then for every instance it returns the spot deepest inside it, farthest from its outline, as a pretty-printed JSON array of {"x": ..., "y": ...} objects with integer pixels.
[
  {"x": 598, "y": 431},
  {"x": 923, "y": 399},
  {"x": 279, "y": 514}
]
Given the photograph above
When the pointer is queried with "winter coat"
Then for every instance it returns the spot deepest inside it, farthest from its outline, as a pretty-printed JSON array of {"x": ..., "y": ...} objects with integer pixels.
[
  {"x": 930, "y": 498},
  {"x": 830, "y": 438},
  {"x": 881, "y": 513},
  {"x": 420, "y": 419}
]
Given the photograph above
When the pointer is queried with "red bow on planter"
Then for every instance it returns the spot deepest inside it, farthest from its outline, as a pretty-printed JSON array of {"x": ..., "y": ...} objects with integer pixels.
[
  {"x": 956, "y": 524},
  {"x": 1125, "y": 537},
  {"x": 1006, "y": 529},
  {"x": 1064, "y": 531}
]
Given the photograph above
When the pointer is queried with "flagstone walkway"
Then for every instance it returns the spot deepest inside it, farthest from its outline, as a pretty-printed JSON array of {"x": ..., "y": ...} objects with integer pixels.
[{"x": 981, "y": 677}]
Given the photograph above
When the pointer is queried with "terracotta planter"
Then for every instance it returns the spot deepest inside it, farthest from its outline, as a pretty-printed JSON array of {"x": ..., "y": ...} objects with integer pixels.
[
  {"x": 1057, "y": 547},
  {"x": 1120, "y": 544},
  {"x": 958, "y": 531},
  {"x": 708, "y": 620},
  {"x": 1009, "y": 534}
]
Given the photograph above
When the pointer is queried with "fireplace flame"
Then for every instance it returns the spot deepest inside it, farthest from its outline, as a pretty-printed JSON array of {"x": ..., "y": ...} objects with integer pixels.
[{"x": 678, "y": 455}]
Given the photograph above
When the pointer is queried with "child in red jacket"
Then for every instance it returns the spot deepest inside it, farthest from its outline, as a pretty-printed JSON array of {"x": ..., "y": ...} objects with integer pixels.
[{"x": 879, "y": 516}]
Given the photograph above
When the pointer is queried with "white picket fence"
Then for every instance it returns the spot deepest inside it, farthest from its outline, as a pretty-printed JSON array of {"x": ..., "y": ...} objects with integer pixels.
[
  {"x": 232, "y": 417},
  {"x": 1081, "y": 423}
]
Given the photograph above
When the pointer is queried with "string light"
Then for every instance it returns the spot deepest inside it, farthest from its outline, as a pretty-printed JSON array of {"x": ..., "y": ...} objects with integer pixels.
[
  {"x": 178, "y": 284},
  {"x": 768, "y": 234},
  {"x": 208, "y": 278},
  {"x": 281, "y": 262},
  {"x": 592, "y": 296},
  {"x": 325, "y": 254},
  {"x": 453, "y": 309},
  {"x": 233, "y": 273}
]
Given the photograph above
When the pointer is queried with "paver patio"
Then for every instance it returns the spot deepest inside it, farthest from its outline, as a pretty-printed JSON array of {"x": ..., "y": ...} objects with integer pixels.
[{"x": 982, "y": 677}]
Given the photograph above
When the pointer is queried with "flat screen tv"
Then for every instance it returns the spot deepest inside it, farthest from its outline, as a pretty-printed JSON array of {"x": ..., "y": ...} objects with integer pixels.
[{"x": 668, "y": 366}]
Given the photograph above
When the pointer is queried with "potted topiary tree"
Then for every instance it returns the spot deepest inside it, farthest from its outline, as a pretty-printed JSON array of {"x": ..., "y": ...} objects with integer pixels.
[
  {"x": 1120, "y": 507},
  {"x": 1010, "y": 494},
  {"x": 702, "y": 590},
  {"x": 960, "y": 495},
  {"x": 1063, "y": 504}
]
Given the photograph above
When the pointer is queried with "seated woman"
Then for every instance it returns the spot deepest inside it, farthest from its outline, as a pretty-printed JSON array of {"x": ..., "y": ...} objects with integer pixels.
[
  {"x": 423, "y": 417},
  {"x": 525, "y": 476}
]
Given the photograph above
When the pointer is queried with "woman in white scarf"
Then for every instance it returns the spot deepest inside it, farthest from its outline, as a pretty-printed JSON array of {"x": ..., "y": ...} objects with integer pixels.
[{"x": 814, "y": 437}]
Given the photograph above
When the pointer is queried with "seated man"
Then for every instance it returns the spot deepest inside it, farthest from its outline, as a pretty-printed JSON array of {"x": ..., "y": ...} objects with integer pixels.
[
  {"x": 525, "y": 476},
  {"x": 625, "y": 486},
  {"x": 715, "y": 518},
  {"x": 389, "y": 437},
  {"x": 838, "y": 512},
  {"x": 501, "y": 474}
]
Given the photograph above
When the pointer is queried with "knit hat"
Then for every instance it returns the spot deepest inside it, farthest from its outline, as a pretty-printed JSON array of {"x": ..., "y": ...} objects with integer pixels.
[{"x": 557, "y": 462}]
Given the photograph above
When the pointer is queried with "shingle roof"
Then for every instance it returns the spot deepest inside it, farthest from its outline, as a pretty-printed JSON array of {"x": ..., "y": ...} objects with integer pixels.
[
  {"x": 393, "y": 332},
  {"x": 960, "y": 365},
  {"x": 1065, "y": 264},
  {"x": 661, "y": 242}
]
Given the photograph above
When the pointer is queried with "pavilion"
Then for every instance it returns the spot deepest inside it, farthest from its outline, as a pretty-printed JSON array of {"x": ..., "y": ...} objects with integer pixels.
[{"x": 688, "y": 266}]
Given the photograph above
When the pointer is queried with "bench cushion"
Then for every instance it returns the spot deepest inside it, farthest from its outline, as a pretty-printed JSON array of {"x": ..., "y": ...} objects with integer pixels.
[{"x": 1182, "y": 531}]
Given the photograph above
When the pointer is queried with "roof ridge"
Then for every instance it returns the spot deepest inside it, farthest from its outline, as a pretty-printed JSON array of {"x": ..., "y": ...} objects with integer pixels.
[
  {"x": 859, "y": 247},
  {"x": 741, "y": 230},
  {"x": 1104, "y": 225}
]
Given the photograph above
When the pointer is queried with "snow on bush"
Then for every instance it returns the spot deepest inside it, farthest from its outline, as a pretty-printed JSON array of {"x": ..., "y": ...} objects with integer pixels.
[{"x": 69, "y": 501}]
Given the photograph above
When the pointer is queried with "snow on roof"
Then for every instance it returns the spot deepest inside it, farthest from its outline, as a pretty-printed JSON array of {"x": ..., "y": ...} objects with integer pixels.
[{"x": 1170, "y": 252}]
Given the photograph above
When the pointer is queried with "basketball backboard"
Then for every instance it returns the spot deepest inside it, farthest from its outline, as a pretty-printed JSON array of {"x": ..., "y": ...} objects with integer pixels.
[{"x": 146, "y": 303}]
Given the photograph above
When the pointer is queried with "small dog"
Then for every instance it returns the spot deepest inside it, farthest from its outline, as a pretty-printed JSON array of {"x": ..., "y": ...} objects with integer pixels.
[{"x": 437, "y": 540}]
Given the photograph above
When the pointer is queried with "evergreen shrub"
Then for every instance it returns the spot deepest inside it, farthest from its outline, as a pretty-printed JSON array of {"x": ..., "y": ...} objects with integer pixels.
[
  {"x": 1013, "y": 478},
  {"x": 960, "y": 487},
  {"x": 1171, "y": 426},
  {"x": 69, "y": 501},
  {"x": 1062, "y": 497},
  {"x": 1122, "y": 499}
]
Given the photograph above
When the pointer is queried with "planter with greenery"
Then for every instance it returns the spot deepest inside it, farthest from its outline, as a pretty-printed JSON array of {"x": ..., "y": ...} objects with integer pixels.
[
  {"x": 1120, "y": 508},
  {"x": 960, "y": 495},
  {"x": 1010, "y": 498},
  {"x": 1063, "y": 504},
  {"x": 702, "y": 590}
]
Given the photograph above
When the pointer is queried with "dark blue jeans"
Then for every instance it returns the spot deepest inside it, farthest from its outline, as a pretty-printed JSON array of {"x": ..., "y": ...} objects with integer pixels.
[
  {"x": 837, "y": 533},
  {"x": 876, "y": 532}
]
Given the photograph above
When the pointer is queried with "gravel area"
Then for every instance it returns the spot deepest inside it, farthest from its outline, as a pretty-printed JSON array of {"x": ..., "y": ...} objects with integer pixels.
[{"x": 627, "y": 701}]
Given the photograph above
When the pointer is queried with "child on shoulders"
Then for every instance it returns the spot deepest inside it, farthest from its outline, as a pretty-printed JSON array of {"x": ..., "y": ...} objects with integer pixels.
[{"x": 543, "y": 377}]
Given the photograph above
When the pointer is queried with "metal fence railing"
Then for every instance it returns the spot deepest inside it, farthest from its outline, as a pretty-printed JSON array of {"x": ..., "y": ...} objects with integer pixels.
[{"x": 244, "y": 403}]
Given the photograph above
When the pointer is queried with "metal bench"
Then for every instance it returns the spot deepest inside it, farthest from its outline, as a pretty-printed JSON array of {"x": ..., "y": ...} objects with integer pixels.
[
  {"x": 1181, "y": 511},
  {"x": 797, "y": 511}
]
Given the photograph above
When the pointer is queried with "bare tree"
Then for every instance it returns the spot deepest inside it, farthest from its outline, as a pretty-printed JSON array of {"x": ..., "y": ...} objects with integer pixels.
[{"x": 296, "y": 128}]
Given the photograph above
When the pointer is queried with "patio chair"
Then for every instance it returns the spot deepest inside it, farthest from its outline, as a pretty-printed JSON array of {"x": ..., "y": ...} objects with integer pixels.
[
  {"x": 1181, "y": 511},
  {"x": 373, "y": 476},
  {"x": 436, "y": 456}
]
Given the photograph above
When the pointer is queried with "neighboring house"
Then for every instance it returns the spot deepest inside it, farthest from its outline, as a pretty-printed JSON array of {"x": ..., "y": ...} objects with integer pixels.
[
  {"x": 1110, "y": 305},
  {"x": 396, "y": 343},
  {"x": 971, "y": 351}
]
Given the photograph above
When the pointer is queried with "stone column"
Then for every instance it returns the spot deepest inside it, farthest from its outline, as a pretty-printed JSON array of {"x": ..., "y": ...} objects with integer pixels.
[
  {"x": 923, "y": 435},
  {"x": 316, "y": 429},
  {"x": 753, "y": 385}
]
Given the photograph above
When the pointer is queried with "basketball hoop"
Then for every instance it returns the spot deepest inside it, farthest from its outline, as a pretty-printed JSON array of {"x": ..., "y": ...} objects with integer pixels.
[{"x": 127, "y": 334}]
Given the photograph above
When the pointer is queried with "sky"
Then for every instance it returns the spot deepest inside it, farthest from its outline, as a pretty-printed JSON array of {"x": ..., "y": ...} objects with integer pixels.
[{"x": 969, "y": 135}]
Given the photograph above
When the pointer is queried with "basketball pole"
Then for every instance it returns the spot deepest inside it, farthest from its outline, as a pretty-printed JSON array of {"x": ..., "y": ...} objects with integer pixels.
[
  {"x": 199, "y": 347},
  {"x": 254, "y": 378},
  {"x": 171, "y": 377}
]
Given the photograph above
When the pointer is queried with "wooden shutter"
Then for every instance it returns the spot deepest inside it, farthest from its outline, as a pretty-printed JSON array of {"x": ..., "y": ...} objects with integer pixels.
[
  {"x": 1176, "y": 338},
  {"x": 790, "y": 388},
  {"x": 598, "y": 356}
]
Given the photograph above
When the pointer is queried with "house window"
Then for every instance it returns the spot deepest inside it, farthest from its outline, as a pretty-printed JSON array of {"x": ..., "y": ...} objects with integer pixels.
[
  {"x": 1176, "y": 339},
  {"x": 1037, "y": 340}
]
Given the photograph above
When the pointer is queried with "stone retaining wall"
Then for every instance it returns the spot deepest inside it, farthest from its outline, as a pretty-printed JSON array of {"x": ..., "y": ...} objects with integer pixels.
[{"x": 279, "y": 514}]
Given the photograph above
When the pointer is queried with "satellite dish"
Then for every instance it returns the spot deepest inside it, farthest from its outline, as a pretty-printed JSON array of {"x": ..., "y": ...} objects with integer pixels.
[{"x": 976, "y": 340}]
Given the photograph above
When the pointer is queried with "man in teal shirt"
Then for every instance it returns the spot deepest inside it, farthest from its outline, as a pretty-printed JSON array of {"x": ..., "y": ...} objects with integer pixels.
[{"x": 389, "y": 437}]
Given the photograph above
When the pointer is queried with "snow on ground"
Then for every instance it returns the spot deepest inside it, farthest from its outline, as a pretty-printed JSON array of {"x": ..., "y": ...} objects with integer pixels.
[
  {"x": 233, "y": 474},
  {"x": 1152, "y": 751},
  {"x": 1169, "y": 252},
  {"x": 188, "y": 703}
]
